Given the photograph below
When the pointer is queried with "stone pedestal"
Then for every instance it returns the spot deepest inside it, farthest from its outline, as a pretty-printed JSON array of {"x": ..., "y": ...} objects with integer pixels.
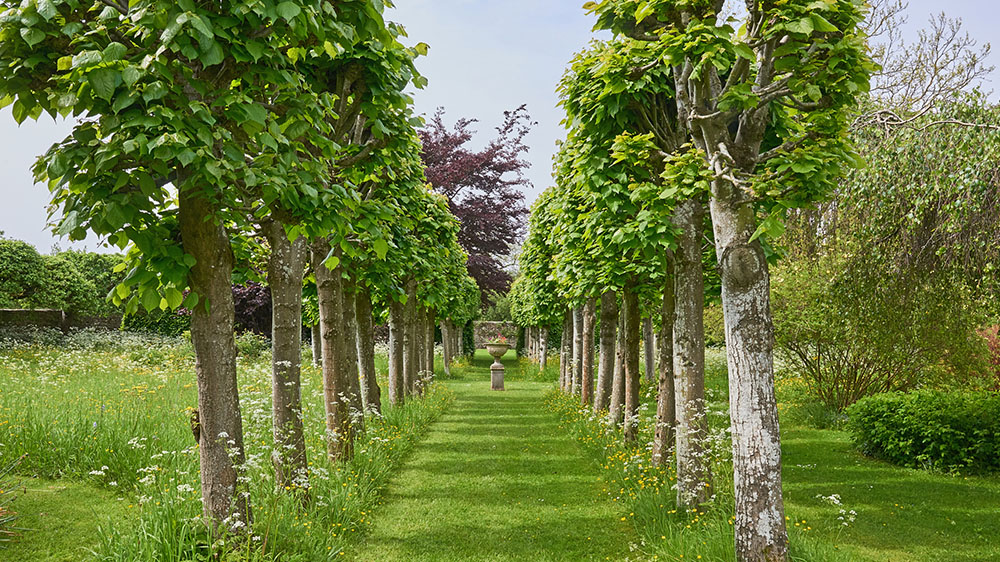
[
  {"x": 496, "y": 376},
  {"x": 496, "y": 369}
]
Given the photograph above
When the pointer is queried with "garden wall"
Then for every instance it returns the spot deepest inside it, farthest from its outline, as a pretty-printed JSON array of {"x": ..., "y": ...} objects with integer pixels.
[
  {"x": 57, "y": 319},
  {"x": 485, "y": 331}
]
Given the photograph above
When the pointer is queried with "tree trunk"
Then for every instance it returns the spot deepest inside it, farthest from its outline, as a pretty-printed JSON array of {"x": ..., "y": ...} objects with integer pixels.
[
  {"x": 663, "y": 435},
  {"x": 649, "y": 344},
  {"x": 543, "y": 348},
  {"x": 370, "y": 390},
  {"x": 566, "y": 352},
  {"x": 577, "y": 349},
  {"x": 429, "y": 348},
  {"x": 446, "y": 347},
  {"x": 225, "y": 499},
  {"x": 615, "y": 408},
  {"x": 587, "y": 362},
  {"x": 410, "y": 356},
  {"x": 693, "y": 474},
  {"x": 285, "y": 270},
  {"x": 317, "y": 345},
  {"x": 606, "y": 361},
  {"x": 330, "y": 294},
  {"x": 397, "y": 331},
  {"x": 354, "y": 396},
  {"x": 631, "y": 360},
  {"x": 760, "y": 513}
]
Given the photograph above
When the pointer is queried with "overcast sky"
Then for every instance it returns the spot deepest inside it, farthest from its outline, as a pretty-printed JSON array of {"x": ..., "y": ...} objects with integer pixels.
[{"x": 486, "y": 57}]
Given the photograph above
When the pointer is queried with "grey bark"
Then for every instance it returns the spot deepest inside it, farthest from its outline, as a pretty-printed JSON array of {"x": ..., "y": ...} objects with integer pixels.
[
  {"x": 760, "y": 514},
  {"x": 446, "y": 347},
  {"x": 370, "y": 390},
  {"x": 693, "y": 474},
  {"x": 649, "y": 347},
  {"x": 663, "y": 433},
  {"x": 617, "y": 404},
  {"x": 317, "y": 345},
  {"x": 566, "y": 352},
  {"x": 330, "y": 294},
  {"x": 543, "y": 348},
  {"x": 285, "y": 271},
  {"x": 587, "y": 361},
  {"x": 429, "y": 346},
  {"x": 631, "y": 360},
  {"x": 410, "y": 357},
  {"x": 577, "y": 362},
  {"x": 225, "y": 499},
  {"x": 606, "y": 360},
  {"x": 351, "y": 369},
  {"x": 397, "y": 386}
]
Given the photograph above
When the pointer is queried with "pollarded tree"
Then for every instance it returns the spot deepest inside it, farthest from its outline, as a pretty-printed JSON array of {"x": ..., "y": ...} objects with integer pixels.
[
  {"x": 179, "y": 93},
  {"x": 483, "y": 188},
  {"x": 768, "y": 106}
]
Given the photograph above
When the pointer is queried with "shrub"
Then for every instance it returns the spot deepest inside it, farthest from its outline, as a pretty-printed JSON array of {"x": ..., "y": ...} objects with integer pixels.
[
  {"x": 956, "y": 431},
  {"x": 22, "y": 272},
  {"x": 160, "y": 322},
  {"x": 251, "y": 345},
  {"x": 992, "y": 337},
  {"x": 852, "y": 332},
  {"x": 715, "y": 327}
]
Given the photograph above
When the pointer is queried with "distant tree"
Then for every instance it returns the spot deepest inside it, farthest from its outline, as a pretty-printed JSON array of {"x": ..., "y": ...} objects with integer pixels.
[{"x": 483, "y": 189}]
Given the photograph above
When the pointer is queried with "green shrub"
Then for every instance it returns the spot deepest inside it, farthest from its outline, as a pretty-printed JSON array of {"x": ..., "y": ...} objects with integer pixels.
[
  {"x": 163, "y": 323},
  {"x": 957, "y": 431},
  {"x": 715, "y": 327},
  {"x": 22, "y": 272},
  {"x": 851, "y": 331},
  {"x": 252, "y": 345}
]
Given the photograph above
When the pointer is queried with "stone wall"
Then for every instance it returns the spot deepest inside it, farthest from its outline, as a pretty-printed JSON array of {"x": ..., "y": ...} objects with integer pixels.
[
  {"x": 57, "y": 319},
  {"x": 485, "y": 331}
]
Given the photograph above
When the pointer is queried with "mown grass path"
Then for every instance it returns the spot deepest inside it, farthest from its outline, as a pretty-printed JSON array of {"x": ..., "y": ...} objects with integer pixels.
[{"x": 495, "y": 479}]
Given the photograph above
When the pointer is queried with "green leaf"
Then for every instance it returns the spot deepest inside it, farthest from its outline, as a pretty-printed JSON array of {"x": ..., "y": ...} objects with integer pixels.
[
  {"x": 174, "y": 297},
  {"x": 381, "y": 248},
  {"x": 122, "y": 101},
  {"x": 213, "y": 55},
  {"x": 87, "y": 58},
  {"x": 804, "y": 26},
  {"x": 822, "y": 24},
  {"x": 103, "y": 81},
  {"x": 744, "y": 51},
  {"x": 288, "y": 10},
  {"x": 122, "y": 290},
  {"x": 186, "y": 156},
  {"x": 421, "y": 49},
  {"x": 154, "y": 91},
  {"x": 131, "y": 75},
  {"x": 64, "y": 63},
  {"x": 46, "y": 9},
  {"x": 32, "y": 35},
  {"x": 114, "y": 52},
  {"x": 150, "y": 299}
]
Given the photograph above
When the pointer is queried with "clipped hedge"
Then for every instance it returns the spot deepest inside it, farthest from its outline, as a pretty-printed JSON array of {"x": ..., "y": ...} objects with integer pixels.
[{"x": 949, "y": 431}]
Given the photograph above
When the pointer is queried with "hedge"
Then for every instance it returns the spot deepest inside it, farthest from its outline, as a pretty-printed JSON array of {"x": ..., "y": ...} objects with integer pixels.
[{"x": 948, "y": 431}]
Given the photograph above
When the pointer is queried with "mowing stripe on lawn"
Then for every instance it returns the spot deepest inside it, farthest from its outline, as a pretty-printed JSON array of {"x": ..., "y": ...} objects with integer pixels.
[{"x": 496, "y": 479}]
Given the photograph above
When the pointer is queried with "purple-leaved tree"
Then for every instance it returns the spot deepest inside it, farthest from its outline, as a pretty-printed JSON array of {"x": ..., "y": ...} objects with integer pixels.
[{"x": 483, "y": 188}]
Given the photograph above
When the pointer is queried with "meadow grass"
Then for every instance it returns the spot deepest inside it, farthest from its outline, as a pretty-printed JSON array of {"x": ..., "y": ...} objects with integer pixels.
[
  {"x": 111, "y": 410},
  {"x": 839, "y": 504}
]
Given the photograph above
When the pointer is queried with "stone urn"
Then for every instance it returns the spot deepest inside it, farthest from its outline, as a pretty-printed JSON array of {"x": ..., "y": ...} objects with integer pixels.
[{"x": 497, "y": 350}]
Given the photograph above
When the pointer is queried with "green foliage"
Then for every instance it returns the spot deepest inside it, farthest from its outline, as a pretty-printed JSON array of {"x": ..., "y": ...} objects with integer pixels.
[
  {"x": 715, "y": 327},
  {"x": 499, "y": 309},
  {"x": 250, "y": 345},
  {"x": 65, "y": 288},
  {"x": 103, "y": 271},
  {"x": 949, "y": 431},
  {"x": 468, "y": 339},
  {"x": 22, "y": 272},
  {"x": 160, "y": 322},
  {"x": 852, "y": 332}
]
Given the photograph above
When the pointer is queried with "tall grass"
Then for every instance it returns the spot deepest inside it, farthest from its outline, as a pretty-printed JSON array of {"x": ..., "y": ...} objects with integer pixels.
[
  {"x": 647, "y": 493},
  {"x": 114, "y": 409}
]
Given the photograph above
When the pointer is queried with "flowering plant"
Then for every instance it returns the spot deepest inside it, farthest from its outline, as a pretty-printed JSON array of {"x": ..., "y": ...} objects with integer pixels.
[{"x": 498, "y": 340}]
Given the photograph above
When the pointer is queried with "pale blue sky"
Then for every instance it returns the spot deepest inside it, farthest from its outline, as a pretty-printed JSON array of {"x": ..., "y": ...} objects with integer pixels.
[{"x": 486, "y": 57}]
